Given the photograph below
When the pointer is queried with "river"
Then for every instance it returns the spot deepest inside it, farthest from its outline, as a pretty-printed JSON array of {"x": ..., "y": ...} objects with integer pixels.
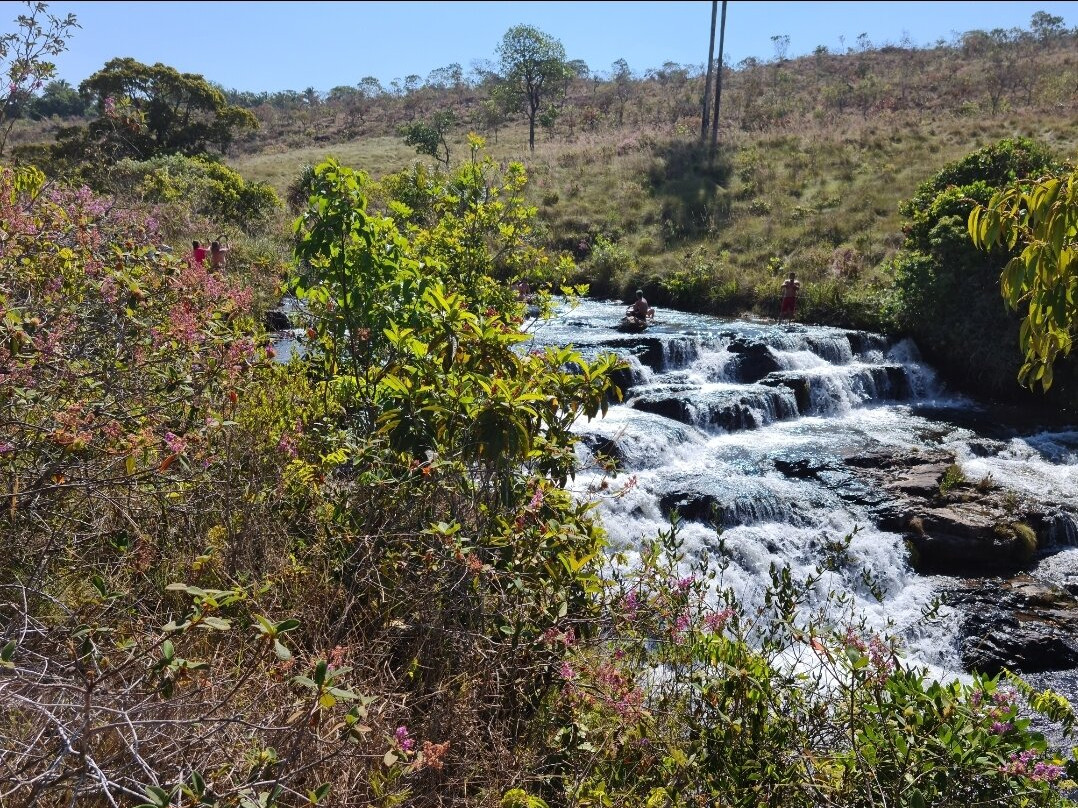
[{"x": 743, "y": 427}]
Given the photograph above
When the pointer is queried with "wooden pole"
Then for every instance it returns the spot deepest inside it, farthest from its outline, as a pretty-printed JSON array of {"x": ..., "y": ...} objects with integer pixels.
[
  {"x": 718, "y": 84},
  {"x": 710, "y": 62}
]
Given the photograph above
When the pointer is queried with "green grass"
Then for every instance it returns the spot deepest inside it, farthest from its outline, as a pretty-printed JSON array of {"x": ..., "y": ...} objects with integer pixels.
[{"x": 820, "y": 198}]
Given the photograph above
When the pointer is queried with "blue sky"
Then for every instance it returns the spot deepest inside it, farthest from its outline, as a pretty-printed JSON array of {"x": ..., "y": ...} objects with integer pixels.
[{"x": 290, "y": 46}]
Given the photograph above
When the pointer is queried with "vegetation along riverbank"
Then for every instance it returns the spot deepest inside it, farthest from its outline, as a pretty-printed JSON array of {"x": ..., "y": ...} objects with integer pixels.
[{"x": 368, "y": 576}]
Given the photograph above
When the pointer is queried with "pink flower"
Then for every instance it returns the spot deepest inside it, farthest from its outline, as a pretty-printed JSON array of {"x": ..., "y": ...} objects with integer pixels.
[
  {"x": 175, "y": 444},
  {"x": 287, "y": 445},
  {"x": 682, "y": 585},
  {"x": 716, "y": 621},
  {"x": 566, "y": 672},
  {"x": 1047, "y": 772},
  {"x": 405, "y": 743},
  {"x": 681, "y": 625},
  {"x": 537, "y": 499}
]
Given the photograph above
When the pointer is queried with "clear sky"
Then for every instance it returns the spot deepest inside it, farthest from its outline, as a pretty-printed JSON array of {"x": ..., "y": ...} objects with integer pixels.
[{"x": 291, "y": 46}]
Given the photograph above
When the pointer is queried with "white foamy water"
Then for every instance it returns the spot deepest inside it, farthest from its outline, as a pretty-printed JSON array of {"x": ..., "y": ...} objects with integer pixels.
[{"x": 696, "y": 435}]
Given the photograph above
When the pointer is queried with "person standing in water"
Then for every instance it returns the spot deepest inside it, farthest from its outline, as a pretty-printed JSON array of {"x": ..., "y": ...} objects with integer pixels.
[
  {"x": 788, "y": 308},
  {"x": 217, "y": 255}
]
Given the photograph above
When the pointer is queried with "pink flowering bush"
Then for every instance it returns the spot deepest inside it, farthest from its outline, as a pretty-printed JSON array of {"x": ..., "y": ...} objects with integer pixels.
[{"x": 686, "y": 697}]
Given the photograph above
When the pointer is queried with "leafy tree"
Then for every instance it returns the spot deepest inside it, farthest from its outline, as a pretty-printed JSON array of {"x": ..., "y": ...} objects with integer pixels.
[
  {"x": 1042, "y": 279},
  {"x": 370, "y": 87},
  {"x": 24, "y": 59},
  {"x": 494, "y": 111},
  {"x": 145, "y": 110},
  {"x": 430, "y": 138},
  {"x": 1047, "y": 27},
  {"x": 534, "y": 69},
  {"x": 947, "y": 290},
  {"x": 446, "y": 78},
  {"x": 622, "y": 77},
  {"x": 60, "y": 99}
]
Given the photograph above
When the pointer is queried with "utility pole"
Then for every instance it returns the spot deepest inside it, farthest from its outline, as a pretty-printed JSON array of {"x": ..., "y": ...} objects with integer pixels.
[
  {"x": 718, "y": 85},
  {"x": 710, "y": 60}
]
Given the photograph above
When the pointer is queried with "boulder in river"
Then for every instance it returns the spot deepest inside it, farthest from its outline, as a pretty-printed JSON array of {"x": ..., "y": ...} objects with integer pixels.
[
  {"x": 754, "y": 360},
  {"x": 277, "y": 320},
  {"x": 1021, "y": 624}
]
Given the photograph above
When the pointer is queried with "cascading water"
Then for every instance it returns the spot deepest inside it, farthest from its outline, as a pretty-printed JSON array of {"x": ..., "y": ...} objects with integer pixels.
[{"x": 738, "y": 426}]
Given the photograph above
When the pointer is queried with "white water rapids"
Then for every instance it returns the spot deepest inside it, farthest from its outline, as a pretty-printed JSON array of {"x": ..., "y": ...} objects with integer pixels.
[{"x": 693, "y": 429}]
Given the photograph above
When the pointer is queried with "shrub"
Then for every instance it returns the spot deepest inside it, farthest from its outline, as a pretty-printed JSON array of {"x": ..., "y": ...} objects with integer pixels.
[
  {"x": 608, "y": 263},
  {"x": 769, "y": 704},
  {"x": 948, "y": 294},
  {"x": 208, "y": 188},
  {"x": 952, "y": 478}
]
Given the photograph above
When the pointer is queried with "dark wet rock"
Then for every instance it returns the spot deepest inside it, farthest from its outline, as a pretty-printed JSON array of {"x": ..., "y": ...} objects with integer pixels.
[
  {"x": 802, "y": 467},
  {"x": 729, "y": 508},
  {"x": 798, "y": 383},
  {"x": 601, "y": 445},
  {"x": 649, "y": 350},
  {"x": 632, "y": 325},
  {"x": 853, "y": 489},
  {"x": 1021, "y": 624},
  {"x": 754, "y": 360},
  {"x": 862, "y": 342},
  {"x": 966, "y": 539},
  {"x": 623, "y": 380},
  {"x": 277, "y": 320},
  {"x": 668, "y": 406},
  {"x": 732, "y": 410},
  {"x": 958, "y": 530}
]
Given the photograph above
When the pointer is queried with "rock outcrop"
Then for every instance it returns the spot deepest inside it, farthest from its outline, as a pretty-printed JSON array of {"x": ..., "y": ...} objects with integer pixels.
[{"x": 1020, "y": 624}]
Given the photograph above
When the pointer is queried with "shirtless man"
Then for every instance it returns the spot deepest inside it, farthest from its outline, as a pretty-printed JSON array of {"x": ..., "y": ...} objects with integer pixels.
[
  {"x": 640, "y": 309},
  {"x": 217, "y": 255},
  {"x": 790, "y": 287}
]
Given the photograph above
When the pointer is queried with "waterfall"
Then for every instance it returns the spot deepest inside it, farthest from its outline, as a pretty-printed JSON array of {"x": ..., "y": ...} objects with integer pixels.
[{"x": 746, "y": 431}]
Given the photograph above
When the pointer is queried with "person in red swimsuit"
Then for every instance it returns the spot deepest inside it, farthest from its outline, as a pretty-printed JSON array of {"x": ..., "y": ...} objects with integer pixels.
[
  {"x": 198, "y": 253},
  {"x": 790, "y": 287}
]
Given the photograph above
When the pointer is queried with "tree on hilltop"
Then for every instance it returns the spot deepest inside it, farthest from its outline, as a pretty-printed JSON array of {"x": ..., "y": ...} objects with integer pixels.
[
  {"x": 534, "y": 69},
  {"x": 145, "y": 111}
]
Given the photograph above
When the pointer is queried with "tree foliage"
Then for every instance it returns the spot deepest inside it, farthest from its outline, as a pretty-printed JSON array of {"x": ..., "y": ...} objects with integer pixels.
[
  {"x": 24, "y": 58},
  {"x": 430, "y": 138},
  {"x": 149, "y": 110},
  {"x": 1041, "y": 215},
  {"x": 59, "y": 99},
  {"x": 534, "y": 69},
  {"x": 947, "y": 290},
  {"x": 202, "y": 186}
]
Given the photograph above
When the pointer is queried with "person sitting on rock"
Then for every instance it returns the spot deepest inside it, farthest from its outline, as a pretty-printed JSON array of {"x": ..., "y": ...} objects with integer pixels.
[{"x": 640, "y": 309}]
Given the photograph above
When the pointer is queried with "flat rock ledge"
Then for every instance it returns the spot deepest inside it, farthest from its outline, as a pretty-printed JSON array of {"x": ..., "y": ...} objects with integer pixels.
[{"x": 954, "y": 526}]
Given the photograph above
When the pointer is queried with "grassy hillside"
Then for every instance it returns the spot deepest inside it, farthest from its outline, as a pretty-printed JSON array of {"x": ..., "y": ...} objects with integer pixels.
[{"x": 815, "y": 156}]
